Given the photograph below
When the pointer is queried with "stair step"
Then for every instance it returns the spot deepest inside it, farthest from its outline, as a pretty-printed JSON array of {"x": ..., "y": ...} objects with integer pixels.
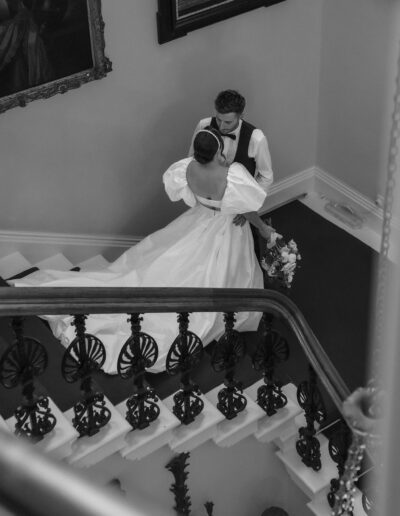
[
  {"x": 310, "y": 481},
  {"x": 271, "y": 427},
  {"x": 58, "y": 262},
  {"x": 188, "y": 437},
  {"x": 290, "y": 433},
  {"x": 230, "y": 432},
  {"x": 140, "y": 443},
  {"x": 319, "y": 506},
  {"x": 87, "y": 451},
  {"x": 13, "y": 264},
  {"x": 95, "y": 263},
  {"x": 58, "y": 442}
]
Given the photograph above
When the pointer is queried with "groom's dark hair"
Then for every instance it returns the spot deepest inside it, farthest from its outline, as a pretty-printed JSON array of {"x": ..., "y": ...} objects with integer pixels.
[
  {"x": 230, "y": 101},
  {"x": 206, "y": 143}
]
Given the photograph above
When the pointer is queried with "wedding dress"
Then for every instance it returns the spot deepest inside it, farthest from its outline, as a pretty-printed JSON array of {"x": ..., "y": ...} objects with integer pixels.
[{"x": 200, "y": 248}]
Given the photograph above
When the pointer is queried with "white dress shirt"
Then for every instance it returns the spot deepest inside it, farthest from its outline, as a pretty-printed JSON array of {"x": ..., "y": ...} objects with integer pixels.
[{"x": 258, "y": 149}]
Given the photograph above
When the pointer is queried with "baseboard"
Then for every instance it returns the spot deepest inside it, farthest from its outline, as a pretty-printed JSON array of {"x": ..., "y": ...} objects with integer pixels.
[
  {"x": 313, "y": 186},
  {"x": 288, "y": 189},
  {"x": 36, "y": 246}
]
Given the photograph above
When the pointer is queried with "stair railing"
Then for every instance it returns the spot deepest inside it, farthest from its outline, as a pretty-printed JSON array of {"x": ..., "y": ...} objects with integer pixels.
[{"x": 86, "y": 357}]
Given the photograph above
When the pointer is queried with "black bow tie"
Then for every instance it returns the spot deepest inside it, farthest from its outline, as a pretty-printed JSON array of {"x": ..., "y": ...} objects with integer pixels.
[{"x": 229, "y": 135}]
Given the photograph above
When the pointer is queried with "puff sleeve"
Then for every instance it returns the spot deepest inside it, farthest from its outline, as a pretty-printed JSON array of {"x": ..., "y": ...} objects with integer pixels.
[
  {"x": 176, "y": 185},
  {"x": 243, "y": 194}
]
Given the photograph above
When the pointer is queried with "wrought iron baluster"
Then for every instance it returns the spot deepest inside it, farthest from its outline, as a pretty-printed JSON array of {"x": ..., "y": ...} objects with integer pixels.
[
  {"x": 228, "y": 351},
  {"x": 25, "y": 359},
  {"x": 183, "y": 356},
  {"x": 177, "y": 466},
  {"x": 310, "y": 400},
  {"x": 138, "y": 353},
  {"x": 85, "y": 355},
  {"x": 339, "y": 443},
  {"x": 272, "y": 349}
]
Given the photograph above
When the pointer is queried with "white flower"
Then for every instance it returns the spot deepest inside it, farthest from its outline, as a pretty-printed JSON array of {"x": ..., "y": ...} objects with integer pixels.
[{"x": 292, "y": 258}]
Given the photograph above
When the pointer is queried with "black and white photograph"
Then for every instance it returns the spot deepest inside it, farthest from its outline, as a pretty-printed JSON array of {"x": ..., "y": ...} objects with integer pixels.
[{"x": 199, "y": 257}]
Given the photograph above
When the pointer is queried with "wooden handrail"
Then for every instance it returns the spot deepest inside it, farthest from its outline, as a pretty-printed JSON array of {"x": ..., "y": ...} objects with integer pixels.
[{"x": 106, "y": 300}]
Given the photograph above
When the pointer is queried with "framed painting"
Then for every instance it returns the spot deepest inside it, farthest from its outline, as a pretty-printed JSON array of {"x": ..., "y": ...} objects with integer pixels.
[
  {"x": 49, "y": 47},
  {"x": 175, "y": 18}
]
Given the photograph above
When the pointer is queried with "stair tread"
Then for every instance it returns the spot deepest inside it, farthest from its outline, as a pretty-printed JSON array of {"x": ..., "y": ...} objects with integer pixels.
[
  {"x": 230, "y": 432},
  {"x": 310, "y": 480},
  {"x": 87, "y": 451},
  {"x": 203, "y": 428},
  {"x": 140, "y": 443},
  {"x": 13, "y": 264},
  {"x": 95, "y": 263},
  {"x": 56, "y": 262},
  {"x": 56, "y": 443},
  {"x": 270, "y": 427}
]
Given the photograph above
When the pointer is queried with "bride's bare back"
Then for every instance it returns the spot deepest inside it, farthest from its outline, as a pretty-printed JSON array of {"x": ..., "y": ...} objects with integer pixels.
[{"x": 208, "y": 181}]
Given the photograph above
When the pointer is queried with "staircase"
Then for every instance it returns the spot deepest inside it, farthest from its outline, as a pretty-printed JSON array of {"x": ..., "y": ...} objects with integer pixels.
[{"x": 279, "y": 431}]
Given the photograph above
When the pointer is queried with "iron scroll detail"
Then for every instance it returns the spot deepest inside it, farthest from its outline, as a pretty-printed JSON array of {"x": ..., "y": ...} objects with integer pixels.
[
  {"x": 139, "y": 352},
  {"x": 185, "y": 353},
  {"x": 25, "y": 359},
  {"x": 84, "y": 356}
]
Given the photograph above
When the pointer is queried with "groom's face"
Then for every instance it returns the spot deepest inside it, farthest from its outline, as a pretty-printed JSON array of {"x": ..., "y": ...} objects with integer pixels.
[{"x": 227, "y": 122}]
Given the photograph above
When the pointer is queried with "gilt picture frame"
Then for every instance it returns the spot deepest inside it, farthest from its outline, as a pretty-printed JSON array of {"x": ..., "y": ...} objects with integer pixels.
[
  {"x": 49, "y": 47},
  {"x": 175, "y": 18}
]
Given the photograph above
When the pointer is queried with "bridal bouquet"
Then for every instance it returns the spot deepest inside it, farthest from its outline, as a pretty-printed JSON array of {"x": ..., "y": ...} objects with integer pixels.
[{"x": 280, "y": 259}]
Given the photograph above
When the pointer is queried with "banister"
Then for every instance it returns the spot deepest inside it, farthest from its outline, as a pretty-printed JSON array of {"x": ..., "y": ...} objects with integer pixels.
[{"x": 107, "y": 300}]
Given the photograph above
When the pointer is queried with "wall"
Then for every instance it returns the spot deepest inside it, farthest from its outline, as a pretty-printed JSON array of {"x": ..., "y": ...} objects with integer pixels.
[
  {"x": 359, "y": 41},
  {"x": 90, "y": 161},
  {"x": 242, "y": 480}
]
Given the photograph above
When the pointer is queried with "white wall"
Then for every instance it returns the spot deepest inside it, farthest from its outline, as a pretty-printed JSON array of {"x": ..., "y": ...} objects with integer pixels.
[
  {"x": 91, "y": 160},
  {"x": 242, "y": 480},
  {"x": 358, "y": 44}
]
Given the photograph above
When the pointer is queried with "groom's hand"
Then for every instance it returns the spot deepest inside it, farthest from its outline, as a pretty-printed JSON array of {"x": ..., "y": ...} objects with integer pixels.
[
  {"x": 239, "y": 220},
  {"x": 266, "y": 231}
]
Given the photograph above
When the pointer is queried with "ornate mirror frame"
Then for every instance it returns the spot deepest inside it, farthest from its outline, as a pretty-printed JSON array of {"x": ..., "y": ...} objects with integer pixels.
[{"x": 92, "y": 31}]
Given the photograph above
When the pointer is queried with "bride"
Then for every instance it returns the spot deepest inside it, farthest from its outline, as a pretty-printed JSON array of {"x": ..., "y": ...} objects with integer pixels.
[{"x": 201, "y": 248}]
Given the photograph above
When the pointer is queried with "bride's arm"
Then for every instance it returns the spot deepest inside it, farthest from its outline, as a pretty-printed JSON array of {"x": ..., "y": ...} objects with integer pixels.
[{"x": 254, "y": 218}]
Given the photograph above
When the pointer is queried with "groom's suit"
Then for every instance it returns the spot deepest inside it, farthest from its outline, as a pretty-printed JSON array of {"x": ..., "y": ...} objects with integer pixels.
[{"x": 249, "y": 148}]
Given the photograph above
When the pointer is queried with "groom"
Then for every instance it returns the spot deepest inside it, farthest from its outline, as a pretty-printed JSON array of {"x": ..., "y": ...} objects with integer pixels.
[{"x": 245, "y": 144}]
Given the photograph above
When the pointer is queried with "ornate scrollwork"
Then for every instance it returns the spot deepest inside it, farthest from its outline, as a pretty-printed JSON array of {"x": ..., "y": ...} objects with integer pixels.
[
  {"x": 339, "y": 443},
  {"x": 310, "y": 400},
  {"x": 177, "y": 466},
  {"x": 34, "y": 419},
  {"x": 228, "y": 351},
  {"x": 185, "y": 354},
  {"x": 271, "y": 350},
  {"x": 85, "y": 355},
  {"x": 25, "y": 359},
  {"x": 139, "y": 352}
]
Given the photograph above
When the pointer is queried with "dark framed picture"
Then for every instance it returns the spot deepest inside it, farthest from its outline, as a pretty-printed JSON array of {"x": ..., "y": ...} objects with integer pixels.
[
  {"x": 49, "y": 47},
  {"x": 175, "y": 18}
]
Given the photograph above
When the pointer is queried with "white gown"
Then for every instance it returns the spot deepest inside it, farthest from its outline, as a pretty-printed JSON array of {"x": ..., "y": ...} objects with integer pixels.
[{"x": 201, "y": 248}]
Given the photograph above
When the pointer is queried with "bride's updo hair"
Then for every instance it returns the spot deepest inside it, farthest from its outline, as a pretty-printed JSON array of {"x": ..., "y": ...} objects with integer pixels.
[{"x": 205, "y": 145}]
